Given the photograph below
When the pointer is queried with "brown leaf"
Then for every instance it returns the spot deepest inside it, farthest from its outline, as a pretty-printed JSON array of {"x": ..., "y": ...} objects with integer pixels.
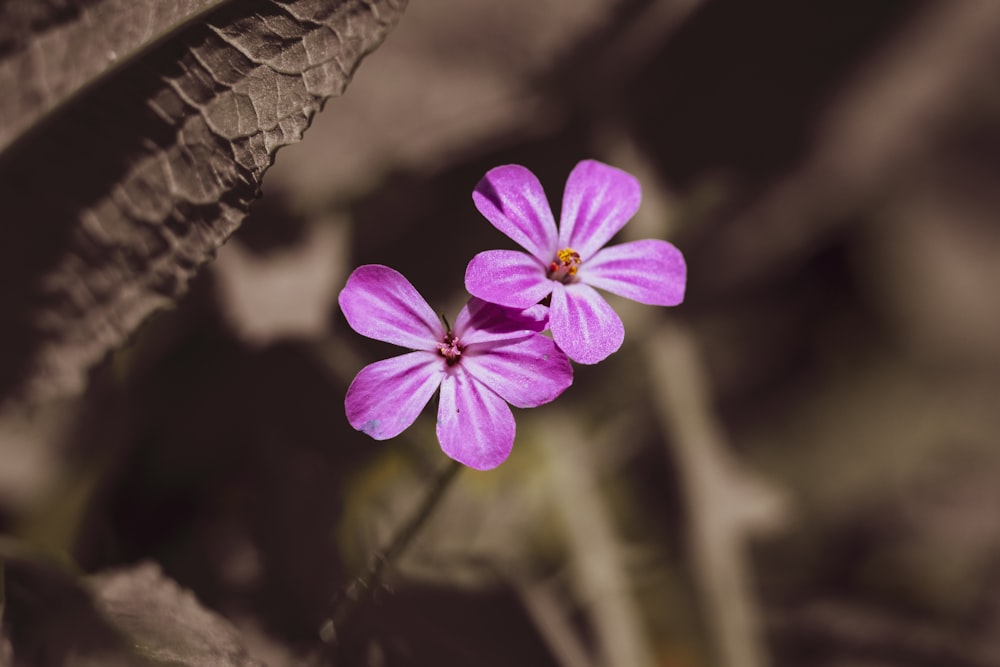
[
  {"x": 130, "y": 617},
  {"x": 165, "y": 623},
  {"x": 52, "y": 49},
  {"x": 129, "y": 171}
]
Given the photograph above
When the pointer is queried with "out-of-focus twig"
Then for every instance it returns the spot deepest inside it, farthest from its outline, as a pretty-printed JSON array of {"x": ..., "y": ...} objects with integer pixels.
[
  {"x": 887, "y": 120},
  {"x": 639, "y": 40},
  {"x": 595, "y": 552},
  {"x": 833, "y": 626},
  {"x": 552, "y": 620},
  {"x": 726, "y": 504}
]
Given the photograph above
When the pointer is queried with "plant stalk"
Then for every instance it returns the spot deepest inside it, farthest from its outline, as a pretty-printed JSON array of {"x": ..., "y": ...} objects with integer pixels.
[{"x": 362, "y": 588}]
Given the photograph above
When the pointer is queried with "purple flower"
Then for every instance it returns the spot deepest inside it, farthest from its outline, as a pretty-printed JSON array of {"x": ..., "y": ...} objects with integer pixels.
[
  {"x": 570, "y": 262},
  {"x": 492, "y": 356}
]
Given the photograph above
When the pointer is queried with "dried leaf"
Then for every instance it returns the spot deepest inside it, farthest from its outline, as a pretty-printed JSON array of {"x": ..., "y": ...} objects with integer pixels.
[
  {"x": 136, "y": 158},
  {"x": 51, "y": 618},
  {"x": 130, "y": 617},
  {"x": 50, "y": 54},
  {"x": 164, "y": 623}
]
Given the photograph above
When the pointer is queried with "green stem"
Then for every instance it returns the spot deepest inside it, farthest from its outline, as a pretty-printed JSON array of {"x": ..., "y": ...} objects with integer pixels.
[{"x": 360, "y": 591}]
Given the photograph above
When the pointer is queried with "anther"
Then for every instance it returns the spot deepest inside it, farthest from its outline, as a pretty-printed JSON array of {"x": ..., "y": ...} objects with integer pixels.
[{"x": 565, "y": 266}]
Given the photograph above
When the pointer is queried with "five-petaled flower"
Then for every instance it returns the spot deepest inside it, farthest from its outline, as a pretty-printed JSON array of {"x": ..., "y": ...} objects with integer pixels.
[
  {"x": 491, "y": 357},
  {"x": 570, "y": 262}
]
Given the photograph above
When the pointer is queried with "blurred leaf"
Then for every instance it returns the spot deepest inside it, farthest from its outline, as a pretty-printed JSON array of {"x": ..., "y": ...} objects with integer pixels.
[
  {"x": 165, "y": 623},
  {"x": 133, "y": 617},
  {"x": 51, "y": 618},
  {"x": 127, "y": 162}
]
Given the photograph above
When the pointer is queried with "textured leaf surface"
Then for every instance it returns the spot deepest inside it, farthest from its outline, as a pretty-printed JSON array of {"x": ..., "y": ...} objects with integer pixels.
[
  {"x": 130, "y": 167},
  {"x": 128, "y": 617},
  {"x": 53, "y": 49},
  {"x": 164, "y": 623}
]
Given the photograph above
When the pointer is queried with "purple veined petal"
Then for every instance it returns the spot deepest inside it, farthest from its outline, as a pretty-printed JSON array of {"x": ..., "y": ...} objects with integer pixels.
[
  {"x": 475, "y": 426},
  {"x": 526, "y": 372},
  {"x": 387, "y": 396},
  {"x": 513, "y": 200},
  {"x": 649, "y": 271},
  {"x": 583, "y": 324},
  {"x": 481, "y": 321},
  {"x": 597, "y": 202},
  {"x": 380, "y": 303},
  {"x": 508, "y": 278}
]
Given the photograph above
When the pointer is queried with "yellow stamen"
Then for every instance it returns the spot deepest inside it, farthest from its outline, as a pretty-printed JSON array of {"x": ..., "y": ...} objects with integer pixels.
[{"x": 565, "y": 265}]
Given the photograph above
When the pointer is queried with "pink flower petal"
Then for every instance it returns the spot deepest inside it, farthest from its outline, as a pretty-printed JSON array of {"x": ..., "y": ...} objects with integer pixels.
[
  {"x": 475, "y": 426},
  {"x": 526, "y": 373},
  {"x": 597, "y": 202},
  {"x": 650, "y": 271},
  {"x": 513, "y": 200},
  {"x": 508, "y": 278},
  {"x": 583, "y": 324},
  {"x": 481, "y": 321},
  {"x": 386, "y": 397},
  {"x": 380, "y": 303}
]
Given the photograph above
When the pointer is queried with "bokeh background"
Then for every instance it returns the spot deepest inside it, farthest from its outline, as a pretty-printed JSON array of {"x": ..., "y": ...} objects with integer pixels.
[{"x": 797, "y": 466}]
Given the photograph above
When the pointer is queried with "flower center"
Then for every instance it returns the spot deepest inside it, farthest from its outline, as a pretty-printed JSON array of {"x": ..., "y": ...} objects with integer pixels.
[
  {"x": 564, "y": 267},
  {"x": 450, "y": 349}
]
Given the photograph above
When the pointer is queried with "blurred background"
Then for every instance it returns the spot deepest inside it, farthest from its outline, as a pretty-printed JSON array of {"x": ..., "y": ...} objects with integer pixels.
[{"x": 797, "y": 466}]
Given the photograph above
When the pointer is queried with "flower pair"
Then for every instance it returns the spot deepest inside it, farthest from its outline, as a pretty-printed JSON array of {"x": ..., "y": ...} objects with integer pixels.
[{"x": 496, "y": 354}]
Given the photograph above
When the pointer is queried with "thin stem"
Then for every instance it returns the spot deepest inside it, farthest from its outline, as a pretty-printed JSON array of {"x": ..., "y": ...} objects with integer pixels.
[{"x": 360, "y": 591}]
